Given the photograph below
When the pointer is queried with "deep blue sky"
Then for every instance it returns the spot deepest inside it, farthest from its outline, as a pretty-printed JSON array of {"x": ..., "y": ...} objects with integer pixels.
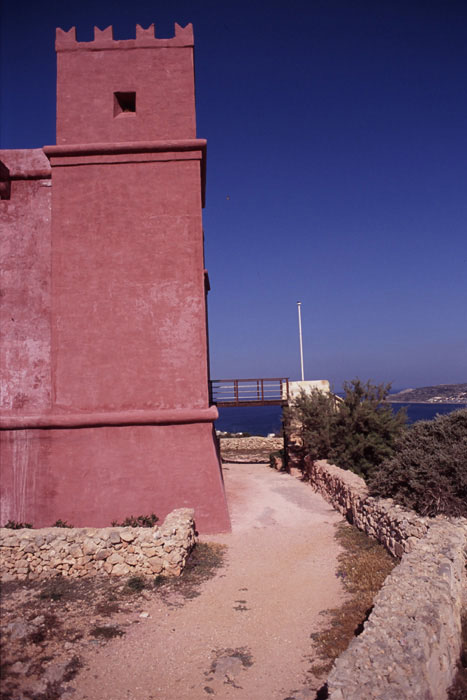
[{"x": 337, "y": 173}]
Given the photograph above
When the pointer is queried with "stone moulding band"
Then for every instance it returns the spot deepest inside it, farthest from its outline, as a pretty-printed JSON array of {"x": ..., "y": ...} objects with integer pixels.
[
  {"x": 31, "y": 175},
  {"x": 90, "y": 149},
  {"x": 111, "y": 158},
  {"x": 110, "y": 418}
]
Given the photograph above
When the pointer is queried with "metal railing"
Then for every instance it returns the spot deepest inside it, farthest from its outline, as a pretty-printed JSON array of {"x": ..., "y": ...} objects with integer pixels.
[{"x": 250, "y": 392}]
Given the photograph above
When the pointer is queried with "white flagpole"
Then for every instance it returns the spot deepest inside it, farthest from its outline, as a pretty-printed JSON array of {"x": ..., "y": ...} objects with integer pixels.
[{"x": 299, "y": 304}]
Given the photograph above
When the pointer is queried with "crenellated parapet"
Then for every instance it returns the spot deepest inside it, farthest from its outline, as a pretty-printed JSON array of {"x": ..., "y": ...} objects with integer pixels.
[{"x": 103, "y": 39}]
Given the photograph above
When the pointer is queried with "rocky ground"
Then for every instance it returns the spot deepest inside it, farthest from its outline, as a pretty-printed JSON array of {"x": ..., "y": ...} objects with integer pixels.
[
  {"x": 50, "y": 627},
  {"x": 249, "y": 450},
  {"x": 47, "y": 627}
]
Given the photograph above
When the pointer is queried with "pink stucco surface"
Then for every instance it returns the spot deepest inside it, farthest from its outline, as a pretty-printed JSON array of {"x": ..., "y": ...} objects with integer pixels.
[
  {"x": 25, "y": 286},
  {"x": 106, "y": 408},
  {"x": 128, "y": 286},
  {"x": 160, "y": 73},
  {"x": 93, "y": 476}
]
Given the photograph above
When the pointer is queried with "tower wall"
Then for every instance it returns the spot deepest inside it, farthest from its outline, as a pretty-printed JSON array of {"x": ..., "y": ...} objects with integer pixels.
[
  {"x": 129, "y": 306},
  {"x": 128, "y": 428},
  {"x": 92, "y": 476}
]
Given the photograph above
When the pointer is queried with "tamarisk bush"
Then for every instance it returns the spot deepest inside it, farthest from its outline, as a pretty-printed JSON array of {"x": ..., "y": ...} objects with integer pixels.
[
  {"x": 357, "y": 432},
  {"x": 365, "y": 428},
  {"x": 428, "y": 470}
]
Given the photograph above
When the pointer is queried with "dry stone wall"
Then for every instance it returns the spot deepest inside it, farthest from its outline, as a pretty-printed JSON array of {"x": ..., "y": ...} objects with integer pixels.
[
  {"x": 397, "y": 529},
  {"x": 411, "y": 642},
  {"x": 249, "y": 450},
  {"x": 116, "y": 551}
]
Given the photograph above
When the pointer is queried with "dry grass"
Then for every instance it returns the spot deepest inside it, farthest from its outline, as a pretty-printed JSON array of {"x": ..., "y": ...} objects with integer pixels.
[{"x": 363, "y": 566}]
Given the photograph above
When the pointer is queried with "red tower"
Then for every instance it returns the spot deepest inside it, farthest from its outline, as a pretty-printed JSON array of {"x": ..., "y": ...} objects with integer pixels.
[{"x": 124, "y": 424}]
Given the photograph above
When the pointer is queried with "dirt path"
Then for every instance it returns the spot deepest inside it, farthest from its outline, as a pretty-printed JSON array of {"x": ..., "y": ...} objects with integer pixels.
[{"x": 247, "y": 636}]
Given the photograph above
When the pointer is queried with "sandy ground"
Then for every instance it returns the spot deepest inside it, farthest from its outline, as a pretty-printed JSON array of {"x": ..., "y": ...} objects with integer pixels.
[{"x": 247, "y": 636}]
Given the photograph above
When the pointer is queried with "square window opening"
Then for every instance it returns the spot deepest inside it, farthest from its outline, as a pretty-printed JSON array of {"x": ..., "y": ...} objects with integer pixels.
[{"x": 124, "y": 103}]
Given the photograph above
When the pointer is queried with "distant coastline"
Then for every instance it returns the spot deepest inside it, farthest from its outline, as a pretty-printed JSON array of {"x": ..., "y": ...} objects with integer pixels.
[
  {"x": 428, "y": 403},
  {"x": 439, "y": 394}
]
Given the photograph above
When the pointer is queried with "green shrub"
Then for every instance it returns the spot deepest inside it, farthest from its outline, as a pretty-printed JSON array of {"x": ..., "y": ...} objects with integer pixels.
[
  {"x": 365, "y": 428},
  {"x": 428, "y": 472},
  {"x": 356, "y": 433}
]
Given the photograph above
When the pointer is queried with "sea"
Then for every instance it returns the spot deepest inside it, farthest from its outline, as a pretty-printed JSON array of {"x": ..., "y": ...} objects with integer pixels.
[{"x": 264, "y": 420}]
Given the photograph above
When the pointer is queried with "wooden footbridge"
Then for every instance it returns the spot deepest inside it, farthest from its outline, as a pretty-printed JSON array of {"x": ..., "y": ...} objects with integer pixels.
[{"x": 250, "y": 392}]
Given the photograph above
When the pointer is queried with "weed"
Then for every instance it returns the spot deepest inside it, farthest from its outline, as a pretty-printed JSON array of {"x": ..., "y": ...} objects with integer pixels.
[
  {"x": 136, "y": 583},
  {"x": 139, "y": 521},
  {"x": 14, "y": 525},
  {"x": 61, "y": 523}
]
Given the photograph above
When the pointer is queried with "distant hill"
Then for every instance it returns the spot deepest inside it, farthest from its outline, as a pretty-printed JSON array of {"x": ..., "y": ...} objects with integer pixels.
[{"x": 442, "y": 393}]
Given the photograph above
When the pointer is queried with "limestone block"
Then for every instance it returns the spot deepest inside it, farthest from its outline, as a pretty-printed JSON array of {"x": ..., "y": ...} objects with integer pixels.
[
  {"x": 115, "y": 558},
  {"x": 108, "y": 567},
  {"x": 89, "y": 546},
  {"x": 102, "y": 554},
  {"x": 127, "y": 535},
  {"x": 120, "y": 570},
  {"x": 156, "y": 564}
]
